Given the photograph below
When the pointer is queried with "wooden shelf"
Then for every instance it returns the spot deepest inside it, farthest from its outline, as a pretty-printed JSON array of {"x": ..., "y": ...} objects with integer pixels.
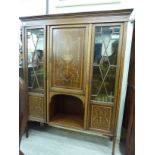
[{"x": 68, "y": 120}]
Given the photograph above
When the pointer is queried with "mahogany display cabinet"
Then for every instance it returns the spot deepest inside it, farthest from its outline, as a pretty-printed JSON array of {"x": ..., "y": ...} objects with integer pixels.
[{"x": 73, "y": 67}]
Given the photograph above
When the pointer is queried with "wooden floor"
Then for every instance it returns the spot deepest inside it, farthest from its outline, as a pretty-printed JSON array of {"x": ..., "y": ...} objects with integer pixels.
[{"x": 45, "y": 140}]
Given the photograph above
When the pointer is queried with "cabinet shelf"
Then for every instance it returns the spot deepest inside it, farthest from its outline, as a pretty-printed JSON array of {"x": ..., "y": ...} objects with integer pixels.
[
  {"x": 102, "y": 103},
  {"x": 68, "y": 120},
  {"x": 67, "y": 110}
]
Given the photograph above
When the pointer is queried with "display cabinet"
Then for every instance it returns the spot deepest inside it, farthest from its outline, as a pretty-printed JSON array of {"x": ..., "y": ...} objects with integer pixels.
[{"x": 74, "y": 68}]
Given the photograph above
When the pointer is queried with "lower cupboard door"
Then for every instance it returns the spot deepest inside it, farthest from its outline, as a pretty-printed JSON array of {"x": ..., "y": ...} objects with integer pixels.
[{"x": 101, "y": 118}]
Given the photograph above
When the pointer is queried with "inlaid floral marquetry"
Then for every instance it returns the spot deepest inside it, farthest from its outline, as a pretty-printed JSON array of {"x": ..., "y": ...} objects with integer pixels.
[
  {"x": 68, "y": 57},
  {"x": 36, "y": 106},
  {"x": 101, "y": 117}
]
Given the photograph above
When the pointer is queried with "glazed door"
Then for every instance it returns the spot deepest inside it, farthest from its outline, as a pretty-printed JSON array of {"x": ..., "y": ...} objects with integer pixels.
[
  {"x": 67, "y": 54},
  {"x": 36, "y": 70},
  {"x": 106, "y": 57}
]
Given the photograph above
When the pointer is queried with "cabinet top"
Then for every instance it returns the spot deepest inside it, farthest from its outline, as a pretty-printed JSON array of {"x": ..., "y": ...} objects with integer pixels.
[{"x": 124, "y": 12}]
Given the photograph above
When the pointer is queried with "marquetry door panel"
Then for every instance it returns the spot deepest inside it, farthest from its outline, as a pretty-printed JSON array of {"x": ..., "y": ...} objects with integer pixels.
[
  {"x": 101, "y": 117},
  {"x": 67, "y": 52}
]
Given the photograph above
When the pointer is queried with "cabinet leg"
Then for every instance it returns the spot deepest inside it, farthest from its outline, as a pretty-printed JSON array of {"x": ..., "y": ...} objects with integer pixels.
[
  {"x": 27, "y": 131},
  {"x": 113, "y": 146},
  {"x": 42, "y": 124}
]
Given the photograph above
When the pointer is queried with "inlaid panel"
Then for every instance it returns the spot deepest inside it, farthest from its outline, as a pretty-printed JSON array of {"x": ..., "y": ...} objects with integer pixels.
[
  {"x": 68, "y": 56},
  {"x": 36, "y": 106},
  {"x": 101, "y": 117}
]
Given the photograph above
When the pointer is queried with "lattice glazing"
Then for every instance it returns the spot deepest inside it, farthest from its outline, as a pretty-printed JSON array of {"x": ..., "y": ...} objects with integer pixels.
[
  {"x": 35, "y": 41},
  {"x": 105, "y": 63}
]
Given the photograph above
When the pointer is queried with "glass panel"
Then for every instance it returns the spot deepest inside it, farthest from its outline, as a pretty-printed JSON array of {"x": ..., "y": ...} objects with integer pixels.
[
  {"x": 35, "y": 41},
  {"x": 20, "y": 55},
  {"x": 97, "y": 80},
  {"x": 105, "y": 63}
]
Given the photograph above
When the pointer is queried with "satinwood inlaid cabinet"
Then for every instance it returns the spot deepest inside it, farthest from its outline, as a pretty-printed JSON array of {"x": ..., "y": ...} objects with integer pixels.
[{"x": 73, "y": 67}]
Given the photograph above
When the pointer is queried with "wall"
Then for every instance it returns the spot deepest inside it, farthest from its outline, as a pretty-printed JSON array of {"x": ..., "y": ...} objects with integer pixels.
[
  {"x": 54, "y": 7},
  {"x": 35, "y": 7},
  {"x": 32, "y": 7}
]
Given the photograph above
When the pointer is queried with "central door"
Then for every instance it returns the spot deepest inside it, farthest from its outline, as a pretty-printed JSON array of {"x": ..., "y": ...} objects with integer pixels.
[{"x": 67, "y": 56}]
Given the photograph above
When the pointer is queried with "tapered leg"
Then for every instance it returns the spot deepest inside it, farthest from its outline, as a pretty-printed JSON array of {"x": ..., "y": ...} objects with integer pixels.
[
  {"x": 42, "y": 124},
  {"x": 111, "y": 138},
  {"x": 113, "y": 146},
  {"x": 27, "y": 131}
]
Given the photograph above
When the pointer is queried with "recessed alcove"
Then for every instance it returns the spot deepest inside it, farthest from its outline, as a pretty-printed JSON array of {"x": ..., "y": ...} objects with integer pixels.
[{"x": 66, "y": 110}]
